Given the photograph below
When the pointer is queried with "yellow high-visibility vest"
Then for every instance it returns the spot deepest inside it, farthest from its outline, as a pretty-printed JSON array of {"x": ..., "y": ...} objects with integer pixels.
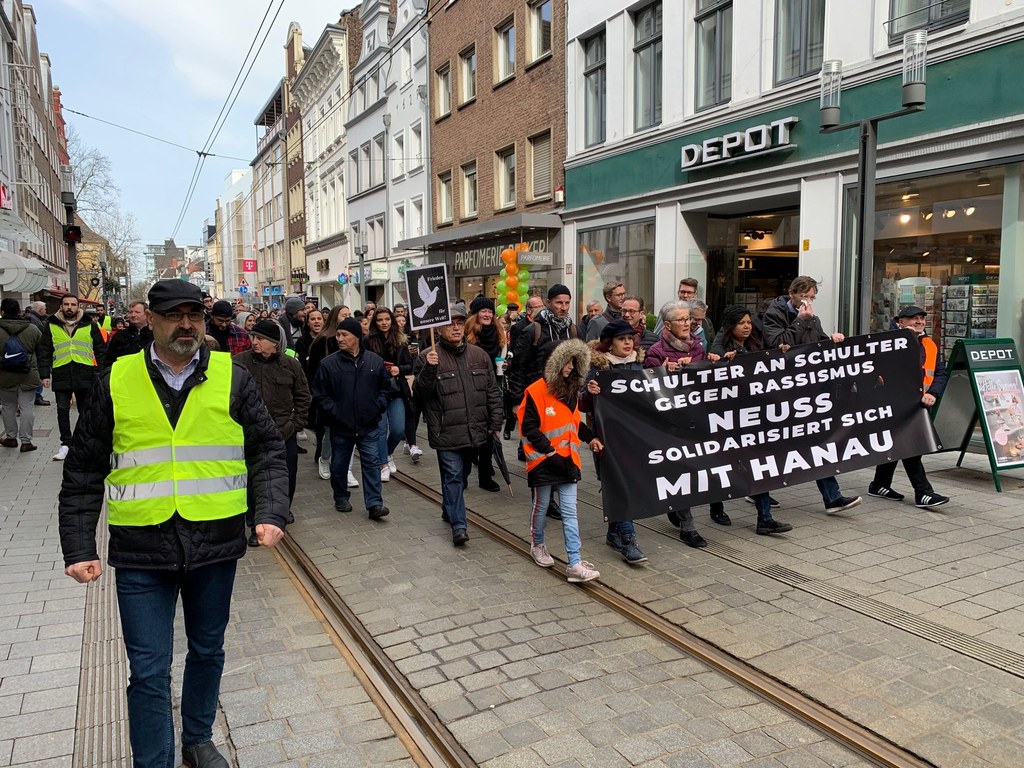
[
  {"x": 76, "y": 348},
  {"x": 196, "y": 468}
]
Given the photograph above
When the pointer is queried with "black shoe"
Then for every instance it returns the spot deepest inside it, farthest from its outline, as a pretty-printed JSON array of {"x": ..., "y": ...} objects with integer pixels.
[
  {"x": 376, "y": 513},
  {"x": 843, "y": 502},
  {"x": 9, "y": 442},
  {"x": 719, "y": 516},
  {"x": 925, "y": 500},
  {"x": 300, "y": 449},
  {"x": 459, "y": 537},
  {"x": 692, "y": 539},
  {"x": 490, "y": 485},
  {"x": 771, "y": 501},
  {"x": 343, "y": 506},
  {"x": 41, "y": 401},
  {"x": 26, "y": 447},
  {"x": 203, "y": 755},
  {"x": 673, "y": 518},
  {"x": 253, "y": 541},
  {"x": 881, "y": 492},
  {"x": 772, "y": 526},
  {"x": 630, "y": 551}
]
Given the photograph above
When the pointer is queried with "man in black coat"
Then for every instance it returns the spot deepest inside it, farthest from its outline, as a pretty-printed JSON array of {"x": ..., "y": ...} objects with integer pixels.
[
  {"x": 534, "y": 344},
  {"x": 350, "y": 391},
  {"x": 135, "y": 337},
  {"x": 176, "y": 500}
]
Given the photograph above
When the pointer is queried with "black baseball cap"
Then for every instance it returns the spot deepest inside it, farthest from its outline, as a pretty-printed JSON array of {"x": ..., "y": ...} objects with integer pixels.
[
  {"x": 165, "y": 295},
  {"x": 912, "y": 311}
]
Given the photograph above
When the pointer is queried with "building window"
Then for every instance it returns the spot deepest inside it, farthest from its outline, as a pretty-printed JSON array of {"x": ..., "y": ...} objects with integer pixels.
[
  {"x": 399, "y": 222},
  {"x": 714, "y": 52},
  {"x": 905, "y": 15},
  {"x": 647, "y": 67},
  {"x": 443, "y": 87},
  {"x": 416, "y": 216},
  {"x": 353, "y": 172},
  {"x": 505, "y": 50},
  {"x": 467, "y": 63},
  {"x": 415, "y": 146},
  {"x": 505, "y": 181},
  {"x": 540, "y": 29},
  {"x": 406, "y": 61},
  {"x": 377, "y": 161},
  {"x": 595, "y": 86},
  {"x": 799, "y": 38},
  {"x": 365, "y": 177},
  {"x": 444, "y": 197},
  {"x": 469, "y": 199},
  {"x": 399, "y": 152},
  {"x": 540, "y": 165},
  {"x": 618, "y": 253}
]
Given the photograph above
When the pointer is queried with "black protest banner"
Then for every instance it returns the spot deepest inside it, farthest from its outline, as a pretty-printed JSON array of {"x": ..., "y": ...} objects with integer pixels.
[
  {"x": 427, "y": 289},
  {"x": 759, "y": 422}
]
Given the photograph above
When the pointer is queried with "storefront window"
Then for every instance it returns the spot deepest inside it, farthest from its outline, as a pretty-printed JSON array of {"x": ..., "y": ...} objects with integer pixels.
[
  {"x": 623, "y": 253},
  {"x": 938, "y": 246}
]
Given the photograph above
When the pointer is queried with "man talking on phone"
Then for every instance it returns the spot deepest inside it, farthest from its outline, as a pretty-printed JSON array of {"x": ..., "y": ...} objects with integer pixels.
[{"x": 789, "y": 321}]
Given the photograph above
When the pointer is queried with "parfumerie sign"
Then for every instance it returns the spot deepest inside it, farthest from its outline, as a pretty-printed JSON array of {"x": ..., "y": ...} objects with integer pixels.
[
  {"x": 756, "y": 140},
  {"x": 760, "y": 422}
]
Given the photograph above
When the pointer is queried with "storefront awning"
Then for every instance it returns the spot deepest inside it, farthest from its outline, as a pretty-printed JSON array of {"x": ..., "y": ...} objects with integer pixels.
[
  {"x": 13, "y": 228},
  {"x": 18, "y": 274},
  {"x": 482, "y": 230}
]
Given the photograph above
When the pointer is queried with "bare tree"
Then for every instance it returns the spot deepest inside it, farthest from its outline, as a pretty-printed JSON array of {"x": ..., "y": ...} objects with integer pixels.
[{"x": 95, "y": 189}]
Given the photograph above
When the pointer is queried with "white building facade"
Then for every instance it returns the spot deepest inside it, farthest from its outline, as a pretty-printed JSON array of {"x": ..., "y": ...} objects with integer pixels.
[
  {"x": 268, "y": 204},
  {"x": 236, "y": 233},
  {"x": 709, "y": 162}
]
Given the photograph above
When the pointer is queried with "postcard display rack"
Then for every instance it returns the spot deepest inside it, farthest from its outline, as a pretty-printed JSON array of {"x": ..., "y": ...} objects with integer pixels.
[{"x": 968, "y": 312}]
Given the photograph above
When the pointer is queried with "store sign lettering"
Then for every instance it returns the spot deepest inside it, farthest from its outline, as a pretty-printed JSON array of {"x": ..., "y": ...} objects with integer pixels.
[
  {"x": 476, "y": 260},
  {"x": 757, "y": 139}
]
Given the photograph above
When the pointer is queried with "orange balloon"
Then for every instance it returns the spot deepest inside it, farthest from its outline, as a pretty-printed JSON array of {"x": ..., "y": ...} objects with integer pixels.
[
  {"x": 510, "y": 269},
  {"x": 511, "y": 281},
  {"x": 598, "y": 256},
  {"x": 512, "y": 296},
  {"x": 508, "y": 255},
  {"x": 522, "y": 247}
]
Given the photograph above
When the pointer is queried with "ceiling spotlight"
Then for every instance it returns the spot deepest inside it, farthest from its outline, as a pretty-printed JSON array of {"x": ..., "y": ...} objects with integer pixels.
[
  {"x": 911, "y": 192},
  {"x": 969, "y": 259},
  {"x": 969, "y": 210},
  {"x": 949, "y": 213},
  {"x": 746, "y": 236},
  {"x": 904, "y": 218},
  {"x": 927, "y": 215},
  {"x": 983, "y": 181},
  {"x": 925, "y": 253}
]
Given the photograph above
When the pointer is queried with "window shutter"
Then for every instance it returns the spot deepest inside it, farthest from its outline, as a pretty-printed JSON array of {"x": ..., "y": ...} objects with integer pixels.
[{"x": 541, "y": 165}]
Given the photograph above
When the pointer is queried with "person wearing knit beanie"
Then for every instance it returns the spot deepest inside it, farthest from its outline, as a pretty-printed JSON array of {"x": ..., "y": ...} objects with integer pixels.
[
  {"x": 351, "y": 325},
  {"x": 481, "y": 302},
  {"x": 558, "y": 290},
  {"x": 267, "y": 329}
]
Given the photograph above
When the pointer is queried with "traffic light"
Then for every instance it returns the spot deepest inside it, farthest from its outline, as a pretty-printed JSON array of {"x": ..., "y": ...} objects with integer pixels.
[{"x": 72, "y": 234}]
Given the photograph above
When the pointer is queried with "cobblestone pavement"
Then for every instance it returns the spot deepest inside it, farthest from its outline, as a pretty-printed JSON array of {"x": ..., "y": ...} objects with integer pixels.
[{"x": 906, "y": 620}]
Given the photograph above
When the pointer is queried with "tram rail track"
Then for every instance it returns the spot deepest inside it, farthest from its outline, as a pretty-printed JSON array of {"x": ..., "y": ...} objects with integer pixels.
[{"x": 431, "y": 744}]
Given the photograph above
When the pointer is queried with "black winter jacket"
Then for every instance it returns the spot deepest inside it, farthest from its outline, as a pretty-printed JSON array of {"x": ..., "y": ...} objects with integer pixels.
[
  {"x": 530, "y": 357},
  {"x": 127, "y": 342},
  {"x": 30, "y": 338},
  {"x": 376, "y": 342},
  {"x": 782, "y": 325},
  {"x": 458, "y": 397},
  {"x": 351, "y": 392},
  {"x": 176, "y": 544},
  {"x": 282, "y": 383},
  {"x": 73, "y": 376}
]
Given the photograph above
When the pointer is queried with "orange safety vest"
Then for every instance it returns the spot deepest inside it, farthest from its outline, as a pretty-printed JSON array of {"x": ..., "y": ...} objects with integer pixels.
[
  {"x": 557, "y": 422},
  {"x": 931, "y": 356}
]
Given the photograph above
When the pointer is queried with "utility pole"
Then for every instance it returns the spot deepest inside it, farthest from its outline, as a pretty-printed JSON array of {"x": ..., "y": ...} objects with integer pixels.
[{"x": 67, "y": 199}]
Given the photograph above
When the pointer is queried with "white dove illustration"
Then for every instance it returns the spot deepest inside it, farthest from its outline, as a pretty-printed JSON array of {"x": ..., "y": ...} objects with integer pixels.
[{"x": 427, "y": 295}]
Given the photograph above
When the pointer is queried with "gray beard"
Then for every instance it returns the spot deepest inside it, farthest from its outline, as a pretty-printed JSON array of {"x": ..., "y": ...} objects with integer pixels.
[{"x": 185, "y": 346}]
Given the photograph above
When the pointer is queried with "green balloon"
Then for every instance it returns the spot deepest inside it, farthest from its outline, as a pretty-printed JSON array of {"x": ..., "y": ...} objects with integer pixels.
[
  {"x": 523, "y": 289},
  {"x": 504, "y": 273},
  {"x": 501, "y": 310},
  {"x": 502, "y": 287},
  {"x": 524, "y": 275}
]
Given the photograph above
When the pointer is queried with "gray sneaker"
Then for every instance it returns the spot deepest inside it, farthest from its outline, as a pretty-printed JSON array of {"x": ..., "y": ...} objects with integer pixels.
[
  {"x": 581, "y": 572},
  {"x": 539, "y": 553}
]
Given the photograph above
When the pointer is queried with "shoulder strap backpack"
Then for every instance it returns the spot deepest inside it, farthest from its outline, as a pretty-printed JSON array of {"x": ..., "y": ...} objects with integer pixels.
[{"x": 15, "y": 356}]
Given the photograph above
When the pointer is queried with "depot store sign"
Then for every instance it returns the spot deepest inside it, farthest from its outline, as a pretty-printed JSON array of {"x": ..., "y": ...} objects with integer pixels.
[{"x": 756, "y": 140}]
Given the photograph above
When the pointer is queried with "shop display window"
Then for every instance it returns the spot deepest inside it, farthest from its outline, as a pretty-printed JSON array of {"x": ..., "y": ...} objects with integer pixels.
[
  {"x": 938, "y": 246},
  {"x": 621, "y": 254}
]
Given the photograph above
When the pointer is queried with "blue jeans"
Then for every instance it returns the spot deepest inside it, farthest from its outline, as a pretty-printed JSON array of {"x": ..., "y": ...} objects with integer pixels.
[
  {"x": 369, "y": 464},
  {"x": 829, "y": 488},
  {"x": 147, "y": 600},
  {"x": 763, "y": 505},
  {"x": 454, "y": 466},
  {"x": 392, "y": 427},
  {"x": 570, "y": 525}
]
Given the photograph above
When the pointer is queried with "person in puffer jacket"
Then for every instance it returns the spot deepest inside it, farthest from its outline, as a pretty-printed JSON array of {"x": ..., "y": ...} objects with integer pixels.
[
  {"x": 550, "y": 425},
  {"x": 617, "y": 349}
]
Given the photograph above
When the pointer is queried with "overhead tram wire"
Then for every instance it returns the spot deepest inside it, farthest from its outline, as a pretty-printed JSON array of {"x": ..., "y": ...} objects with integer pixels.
[{"x": 229, "y": 102}]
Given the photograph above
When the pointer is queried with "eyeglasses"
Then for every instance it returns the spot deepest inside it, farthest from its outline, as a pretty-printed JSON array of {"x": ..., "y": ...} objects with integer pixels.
[
  {"x": 175, "y": 317},
  {"x": 680, "y": 320}
]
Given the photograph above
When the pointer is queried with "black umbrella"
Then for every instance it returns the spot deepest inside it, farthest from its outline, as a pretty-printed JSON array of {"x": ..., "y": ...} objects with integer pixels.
[{"x": 499, "y": 459}]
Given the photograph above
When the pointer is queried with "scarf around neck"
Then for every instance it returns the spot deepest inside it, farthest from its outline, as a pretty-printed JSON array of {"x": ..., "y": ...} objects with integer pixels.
[
  {"x": 558, "y": 327},
  {"x": 616, "y": 360},
  {"x": 680, "y": 345}
]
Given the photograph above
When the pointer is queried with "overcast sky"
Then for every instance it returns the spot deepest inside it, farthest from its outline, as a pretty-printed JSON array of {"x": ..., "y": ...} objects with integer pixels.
[{"x": 166, "y": 68}]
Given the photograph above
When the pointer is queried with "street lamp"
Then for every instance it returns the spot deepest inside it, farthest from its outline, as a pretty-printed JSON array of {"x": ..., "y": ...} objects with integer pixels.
[
  {"x": 915, "y": 56},
  {"x": 359, "y": 247}
]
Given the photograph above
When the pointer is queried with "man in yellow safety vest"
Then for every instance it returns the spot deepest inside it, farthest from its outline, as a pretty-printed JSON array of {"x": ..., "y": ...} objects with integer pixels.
[
  {"x": 68, "y": 351},
  {"x": 173, "y": 437}
]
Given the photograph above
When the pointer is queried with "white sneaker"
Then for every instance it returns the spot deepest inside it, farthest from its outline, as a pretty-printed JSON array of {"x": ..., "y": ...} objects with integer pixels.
[
  {"x": 385, "y": 474},
  {"x": 415, "y": 453},
  {"x": 301, "y": 436},
  {"x": 540, "y": 555},
  {"x": 324, "y": 468},
  {"x": 406, "y": 450},
  {"x": 391, "y": 464},
  {"x": 61, "y": 454},
  {"x": 352, "y": 482},
  {"x": 581, "y": 572}
]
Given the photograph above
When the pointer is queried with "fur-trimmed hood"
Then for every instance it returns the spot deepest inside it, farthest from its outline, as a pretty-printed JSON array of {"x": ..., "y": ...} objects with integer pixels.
[
  {"x": 565, "y": 388},
  {"x": 600, "y": 361}
]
